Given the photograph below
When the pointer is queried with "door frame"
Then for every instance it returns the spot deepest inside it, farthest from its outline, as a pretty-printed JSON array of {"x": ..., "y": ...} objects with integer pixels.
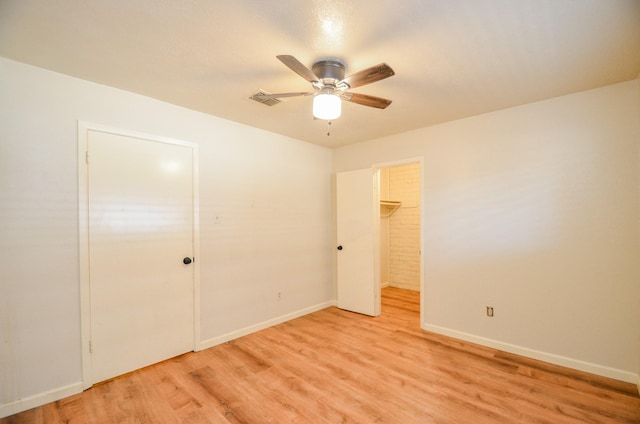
[
  {"x": 376, "y": 171},
  {"x": 83, "y": 235}
]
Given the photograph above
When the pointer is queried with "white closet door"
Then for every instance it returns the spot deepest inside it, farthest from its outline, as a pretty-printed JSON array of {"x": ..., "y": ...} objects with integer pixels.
[
  {"x": 141, "y": 216},
  {"x": 358, "y": 286}
]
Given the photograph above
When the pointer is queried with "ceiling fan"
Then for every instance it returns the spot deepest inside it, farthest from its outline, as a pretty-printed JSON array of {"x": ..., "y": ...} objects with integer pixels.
[{"x": 330, "y": 85}]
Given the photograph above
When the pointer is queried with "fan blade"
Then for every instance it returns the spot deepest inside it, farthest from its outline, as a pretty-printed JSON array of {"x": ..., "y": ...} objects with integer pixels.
[
  {"x": 280, "y": 95},
  {"x": 368, "y": 76},
  {"x": 366, "y": 100},
  {"x": 297, "y": 67}
]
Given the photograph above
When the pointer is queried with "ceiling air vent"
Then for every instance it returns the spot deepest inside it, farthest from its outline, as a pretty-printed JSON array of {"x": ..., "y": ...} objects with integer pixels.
[{"x": 267, "y": 101}]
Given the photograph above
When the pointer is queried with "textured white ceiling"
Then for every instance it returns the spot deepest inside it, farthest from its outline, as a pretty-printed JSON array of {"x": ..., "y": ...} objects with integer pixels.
[{"x": 452, "y": 58}]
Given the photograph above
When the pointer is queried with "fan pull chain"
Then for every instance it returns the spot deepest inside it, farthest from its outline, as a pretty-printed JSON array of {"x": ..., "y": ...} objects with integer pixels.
[{"x": 328, "y": 128}]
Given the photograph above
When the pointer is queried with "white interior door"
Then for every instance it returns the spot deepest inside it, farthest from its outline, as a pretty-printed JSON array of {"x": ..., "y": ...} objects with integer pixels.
[
  {"x": 358, "y": 285},
  {"x": 141, "y": 229}
]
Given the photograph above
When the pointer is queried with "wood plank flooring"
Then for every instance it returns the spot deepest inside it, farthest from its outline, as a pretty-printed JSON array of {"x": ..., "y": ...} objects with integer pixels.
[{"x": 334, "y": 366}]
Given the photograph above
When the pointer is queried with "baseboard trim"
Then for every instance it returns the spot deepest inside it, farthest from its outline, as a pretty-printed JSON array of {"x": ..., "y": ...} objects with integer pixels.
[
  {"x": 40, "y": 399},
  {"x": 405, "y": 286},
  {"x": 576, "y": 364},
  {"x": 205, "y": 344}
]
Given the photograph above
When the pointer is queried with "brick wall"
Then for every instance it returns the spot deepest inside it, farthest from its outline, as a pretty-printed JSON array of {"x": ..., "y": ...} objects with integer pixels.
[{"x": 404, "y": 227}]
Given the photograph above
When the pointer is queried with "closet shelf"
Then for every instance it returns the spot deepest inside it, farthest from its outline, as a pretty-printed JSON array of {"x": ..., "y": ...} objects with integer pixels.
[{"x": 390, "y": 206}]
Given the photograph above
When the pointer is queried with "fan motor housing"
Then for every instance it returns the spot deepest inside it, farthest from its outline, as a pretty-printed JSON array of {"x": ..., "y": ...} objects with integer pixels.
[{"x": 329, "y": 71}]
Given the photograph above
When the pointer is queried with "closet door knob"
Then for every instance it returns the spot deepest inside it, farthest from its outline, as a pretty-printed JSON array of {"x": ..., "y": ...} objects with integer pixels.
[
  {"x": 186, "y": 261},
  {"x": 340, "y": 247}
]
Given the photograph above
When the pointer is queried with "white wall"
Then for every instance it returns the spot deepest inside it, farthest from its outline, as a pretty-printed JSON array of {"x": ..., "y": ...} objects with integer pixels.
[
  {"x": 638, "y": 111},
  {"x": 532, "y": 210},
  {"x": 262, "y": 231}
]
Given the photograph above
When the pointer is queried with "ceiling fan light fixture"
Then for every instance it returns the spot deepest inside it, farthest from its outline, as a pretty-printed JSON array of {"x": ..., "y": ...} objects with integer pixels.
[
  {"x": 327, "y": 105},
  {"x": 330, "y": 85}
]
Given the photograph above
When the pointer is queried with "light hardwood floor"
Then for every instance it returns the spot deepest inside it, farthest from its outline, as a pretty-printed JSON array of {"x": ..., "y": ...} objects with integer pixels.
[{"x": 334, "y": 366}]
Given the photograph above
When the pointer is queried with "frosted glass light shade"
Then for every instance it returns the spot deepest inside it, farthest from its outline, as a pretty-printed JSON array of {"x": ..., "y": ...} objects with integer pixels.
[{"x": 327, "y": 106}]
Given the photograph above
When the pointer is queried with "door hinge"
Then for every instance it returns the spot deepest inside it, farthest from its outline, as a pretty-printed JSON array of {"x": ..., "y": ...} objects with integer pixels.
[
  {"x": 86, "y": 157},
  {"x": 90, "y": 347}
]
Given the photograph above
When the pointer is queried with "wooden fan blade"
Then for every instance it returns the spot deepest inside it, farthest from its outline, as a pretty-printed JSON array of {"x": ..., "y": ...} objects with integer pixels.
[
  {"x": 369, "y": 75},
  {"x": 366, "y": 100},
  {"x": 280, "y": 95},
  {"x": 297, "y": 67}
]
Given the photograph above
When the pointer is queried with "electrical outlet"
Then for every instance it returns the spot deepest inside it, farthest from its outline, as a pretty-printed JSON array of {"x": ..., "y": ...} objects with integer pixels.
[{"x": 489, "y": 311}]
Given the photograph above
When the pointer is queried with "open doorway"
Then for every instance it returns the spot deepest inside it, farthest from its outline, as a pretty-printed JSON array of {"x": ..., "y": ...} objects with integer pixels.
[
  {"x": 380, "y": 253},
  {"x": 400, "y": 259}
]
